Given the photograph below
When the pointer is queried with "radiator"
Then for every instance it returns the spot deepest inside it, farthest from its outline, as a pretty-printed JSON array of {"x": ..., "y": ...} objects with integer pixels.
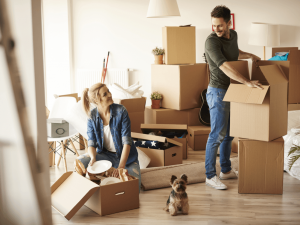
[{"x": 86, "y": 78}]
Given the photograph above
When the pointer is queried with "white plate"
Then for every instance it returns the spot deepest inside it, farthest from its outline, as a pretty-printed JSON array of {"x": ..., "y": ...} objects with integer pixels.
[
  {"x": 110, "y": 180},
  {"x": 99, "y": 167}
]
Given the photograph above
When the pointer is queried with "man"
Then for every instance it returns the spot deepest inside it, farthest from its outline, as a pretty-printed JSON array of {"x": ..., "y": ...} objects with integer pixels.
[{"x": 221, "y": 47}]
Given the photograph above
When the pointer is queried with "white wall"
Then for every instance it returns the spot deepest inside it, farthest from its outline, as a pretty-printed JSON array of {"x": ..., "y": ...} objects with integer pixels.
[
  {"x": 121, "y": 27},
  {"x": 57, "y": 57},
  {"x": 18, "y": 199}
]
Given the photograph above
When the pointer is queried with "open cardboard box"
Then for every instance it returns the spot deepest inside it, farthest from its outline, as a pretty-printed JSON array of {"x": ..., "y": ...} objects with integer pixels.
[
  {"x": 136, "y": 110},
  {"x": 147, "y": 128},
  {"x": 261, "y": 166},
  {"x": 159, "y": 157},
  {"x": 179, "y": 44},
  {"x": 171, "y": 116},
  {"x": 291, "y": 69},
  {"x": 197, "y": 137},
  {"x": 71, "y": 191},
  {"x": 259, "y": 114}
]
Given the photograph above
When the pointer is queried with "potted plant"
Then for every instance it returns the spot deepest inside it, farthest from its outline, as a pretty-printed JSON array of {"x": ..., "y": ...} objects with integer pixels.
[
  {"x": 156, "y": 98},
  {"x": 158, "y": 55}
]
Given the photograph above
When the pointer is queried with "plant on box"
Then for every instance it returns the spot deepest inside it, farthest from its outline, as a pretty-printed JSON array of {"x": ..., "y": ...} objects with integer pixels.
[
  {"x": 156, "y": 98},
  {"x": 158, "y": 55}
]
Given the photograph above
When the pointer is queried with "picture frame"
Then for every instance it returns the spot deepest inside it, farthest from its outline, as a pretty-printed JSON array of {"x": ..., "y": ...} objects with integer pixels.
[{"x": 232, "y": 22}]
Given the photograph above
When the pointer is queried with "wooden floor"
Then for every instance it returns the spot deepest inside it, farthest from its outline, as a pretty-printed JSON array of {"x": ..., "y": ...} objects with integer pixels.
[{"x": 207, "y": 205}]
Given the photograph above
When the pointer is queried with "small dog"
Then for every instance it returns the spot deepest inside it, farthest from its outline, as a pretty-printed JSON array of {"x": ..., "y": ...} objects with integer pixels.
[{"x": 178, "y": 199}]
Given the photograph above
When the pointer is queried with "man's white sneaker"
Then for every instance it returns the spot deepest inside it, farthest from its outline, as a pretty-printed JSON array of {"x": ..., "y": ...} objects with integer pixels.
[
  {"x": 215, "y": 183},
  {"x": 232, "y": 175}
]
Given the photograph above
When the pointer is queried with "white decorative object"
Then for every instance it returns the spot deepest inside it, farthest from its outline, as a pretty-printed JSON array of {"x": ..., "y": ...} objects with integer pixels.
[
  {"x": 144, "y": 160},
  {"x": 99, "y": 167},
  {"x": 110, "y": 180},
  {"x": 162, "y": 8},
  {"x": 263, "y": 34}
]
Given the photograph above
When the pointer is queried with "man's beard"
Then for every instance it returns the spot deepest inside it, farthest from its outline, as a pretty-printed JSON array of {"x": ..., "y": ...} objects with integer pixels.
[{"x": 226, "y": 31}]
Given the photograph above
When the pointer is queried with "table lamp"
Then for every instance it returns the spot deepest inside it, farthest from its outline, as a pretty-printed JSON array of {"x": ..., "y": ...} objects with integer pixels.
[
  {"x": 162, "y": 8},
  {"x": 263, "y": 34}
]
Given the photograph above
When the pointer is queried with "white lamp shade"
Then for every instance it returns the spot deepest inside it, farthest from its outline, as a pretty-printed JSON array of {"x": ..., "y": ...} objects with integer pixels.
[
  {"x": 162, "y": 8},
  {"x": 263, "y": 34}
]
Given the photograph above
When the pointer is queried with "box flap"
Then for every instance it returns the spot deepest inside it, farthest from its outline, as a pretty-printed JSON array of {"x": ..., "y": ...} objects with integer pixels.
[
  {"x": 243, "y": 94},
  {"x": 132, "y": 104},
  {"x": 70, "y": 192},
  {"x": 157, "y": 127},
  {"x": 154, "y": 138},
  {"x": 273, "y": 74}
]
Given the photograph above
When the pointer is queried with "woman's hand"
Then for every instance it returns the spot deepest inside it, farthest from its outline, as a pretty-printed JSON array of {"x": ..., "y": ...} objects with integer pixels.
[
  {"x": 92, "y": 161},
  {"x": 116, "y": 172}
]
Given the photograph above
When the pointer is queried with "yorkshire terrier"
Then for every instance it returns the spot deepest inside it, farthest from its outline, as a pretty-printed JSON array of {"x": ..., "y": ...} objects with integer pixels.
[{"x": 178, "y": 199}]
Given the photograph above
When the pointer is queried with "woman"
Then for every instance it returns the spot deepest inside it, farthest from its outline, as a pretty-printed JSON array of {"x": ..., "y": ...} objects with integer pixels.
[{"x": 109, "y": 132}]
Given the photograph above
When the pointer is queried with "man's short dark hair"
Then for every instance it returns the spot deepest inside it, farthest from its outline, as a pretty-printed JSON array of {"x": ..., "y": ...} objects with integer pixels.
[{"x": 221, "y": 11}]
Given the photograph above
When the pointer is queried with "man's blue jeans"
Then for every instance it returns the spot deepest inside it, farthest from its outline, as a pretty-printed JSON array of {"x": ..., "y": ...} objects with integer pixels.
[{"x": 219, "y": 134}]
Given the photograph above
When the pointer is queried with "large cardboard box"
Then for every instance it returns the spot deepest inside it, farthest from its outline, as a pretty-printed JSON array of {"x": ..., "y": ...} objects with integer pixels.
[
  {"x": 259, "y": 114},
  {"x": 180, "y": 85},
  {"x": 71, "y": 191},
  {"x": 136, "y": 110},
  {"x": 189, "y": 117},
  {"x": 179, "y": 44},
  {"x": 147, "y": 128},
  {"x": 197, "y": 137},
  {"x": 159, "y": 157},
  {"x": 234, "y": 145},
  {"x": 261, "y": 166},
  {"x": 291, "y": 68}
]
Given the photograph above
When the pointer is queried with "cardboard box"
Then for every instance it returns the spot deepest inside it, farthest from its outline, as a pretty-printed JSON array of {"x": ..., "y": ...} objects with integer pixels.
[
  {"x": 189, "y": 117},
  {"x": 136, "y": 110},
  {"x": 259, "y": 114},
  {"x": 179, "y": 44},
  {"x": 147, "y": 128},
  {"x": 167, "y": 157},
  {"x": 234, "y": 145},
  {"x": 180, "y": 85},
  {"x": 291, "y": 68},
  {"x": 197, "y": 137},
  {"x": 261, "y": 166},
  {"x": 71, "y": 191},
  {"x": 293, "y": 107}
]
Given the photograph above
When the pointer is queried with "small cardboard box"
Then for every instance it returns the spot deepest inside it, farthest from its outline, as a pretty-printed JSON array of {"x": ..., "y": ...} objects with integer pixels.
[
  {"x": 180, "y": 85},
  {"x": 147, "y": 128},
  {"x": 197, "y": 137},
  {"x": 167, "y": 157},
  {"x": 261, "y": 166},
  {"x": 259, "y": 114},
  {"x": 71, "y": 191},
  {"x": 179, "y": 44},
  {"x": 291, "y": 68},
  {"x": 189, "y": 117},
  {"x": 136, "y": 110}
]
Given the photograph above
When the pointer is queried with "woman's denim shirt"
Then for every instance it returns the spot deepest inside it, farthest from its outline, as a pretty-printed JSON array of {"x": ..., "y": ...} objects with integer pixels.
[{"x": 120, "y": 128}]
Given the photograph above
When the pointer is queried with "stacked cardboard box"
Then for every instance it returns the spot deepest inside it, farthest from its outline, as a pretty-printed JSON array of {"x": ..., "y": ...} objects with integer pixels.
[
  {"x": 259, "y": 119},
  {"x": 180, "y": 80}
]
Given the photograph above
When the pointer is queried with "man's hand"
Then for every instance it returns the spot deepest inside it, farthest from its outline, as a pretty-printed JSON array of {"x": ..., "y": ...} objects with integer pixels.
[
  {"x": 255, "y": 59},
  {"x": 254, "y": 84}
]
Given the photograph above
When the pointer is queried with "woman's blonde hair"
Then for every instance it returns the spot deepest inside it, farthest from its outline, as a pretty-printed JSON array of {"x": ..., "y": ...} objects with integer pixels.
[{"x": 91, "y": 95}]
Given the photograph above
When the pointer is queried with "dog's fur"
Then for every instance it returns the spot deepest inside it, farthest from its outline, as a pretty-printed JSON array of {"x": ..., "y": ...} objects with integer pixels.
[{"x": 178, "y": 199}]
